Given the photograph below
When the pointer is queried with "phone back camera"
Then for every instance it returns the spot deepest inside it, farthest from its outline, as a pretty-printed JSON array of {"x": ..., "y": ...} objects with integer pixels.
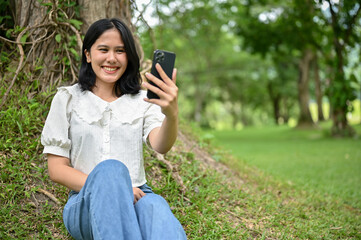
[{"x": 159, "y": 56}]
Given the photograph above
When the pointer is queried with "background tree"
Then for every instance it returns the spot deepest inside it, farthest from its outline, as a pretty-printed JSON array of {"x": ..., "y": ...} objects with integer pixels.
[
  {"x": 342, "y": 18},
  {"x": 215, "y": 42},
  {"x": 214, "y": 70},
  {"x": 307, "y": 30},
  {"x": 283, "y": 28},
  {"x": 190, "y": 30},
  {"x": 319, "y": 93},
  {"x": 47, "y": 36},
  {"x": 39, "y": 43}
]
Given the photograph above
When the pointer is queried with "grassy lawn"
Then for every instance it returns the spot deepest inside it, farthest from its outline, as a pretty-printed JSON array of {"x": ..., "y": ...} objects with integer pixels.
[
  {"x": 210, "y": 201},
  {"x": 308, "y": 159}
]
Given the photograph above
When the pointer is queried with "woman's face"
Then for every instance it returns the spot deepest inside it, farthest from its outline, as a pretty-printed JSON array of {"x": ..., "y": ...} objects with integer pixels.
[{"x": 108, "y": 58}]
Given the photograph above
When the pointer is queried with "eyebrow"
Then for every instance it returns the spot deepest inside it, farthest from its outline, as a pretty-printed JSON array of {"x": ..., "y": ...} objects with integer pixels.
[{"x": 106, "y": 46}]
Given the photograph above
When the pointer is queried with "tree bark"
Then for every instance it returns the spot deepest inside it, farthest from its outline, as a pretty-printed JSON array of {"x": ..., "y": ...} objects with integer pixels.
[
  {"x": 199, "y": 99},
  {"x": 41, "y": 29},
  {"x": 286, "y": 114},
  {"x": 45, "y": 21},
  {"x": 49, "y": 43},
  {"x": 340, "y": 91},
  {"x": 305, "y": 118},
  {"x": 276, "y": 101},
  {"x": 318, "y": 90},
  {"x": 28, "y": 12}
]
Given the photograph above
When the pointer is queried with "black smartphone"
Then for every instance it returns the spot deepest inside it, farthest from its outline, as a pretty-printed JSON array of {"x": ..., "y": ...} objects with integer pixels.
[{"x": 166, "y": 60}]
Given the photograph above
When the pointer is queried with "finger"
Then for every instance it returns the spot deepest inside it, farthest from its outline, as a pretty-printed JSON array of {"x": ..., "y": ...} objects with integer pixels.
[
  {"x": 174, "y": 75},
  {"x": 161, "y": 84},
  {"x": 160, "y": 92},
  {"x": 159, "y": 102},
  {"x": 137, "y": 196},
  {"x": 154, "y": 101},
  {"x": 140, "y": 193},
  {"x": 162, "y": 74}
]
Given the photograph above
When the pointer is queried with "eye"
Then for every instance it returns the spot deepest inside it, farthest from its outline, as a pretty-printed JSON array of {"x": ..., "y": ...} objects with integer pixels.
[
  {"x": 120, "y": 50},
  {"x": 103, "y": 49}
]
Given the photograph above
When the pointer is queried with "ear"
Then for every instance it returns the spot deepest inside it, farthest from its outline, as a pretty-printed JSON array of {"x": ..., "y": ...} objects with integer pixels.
[{"x": 87, "y": 54}]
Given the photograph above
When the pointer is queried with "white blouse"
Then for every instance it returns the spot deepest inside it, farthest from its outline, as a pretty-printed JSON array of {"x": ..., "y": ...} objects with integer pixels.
[{"x": 87, "y": 130}]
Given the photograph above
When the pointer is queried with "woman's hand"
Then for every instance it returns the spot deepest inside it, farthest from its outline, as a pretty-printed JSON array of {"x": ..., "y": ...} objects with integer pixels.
[
  {"x": 138, "y": 194},
  {"x": 167, "y": 92},
  {"x": 162, "y": 138}
]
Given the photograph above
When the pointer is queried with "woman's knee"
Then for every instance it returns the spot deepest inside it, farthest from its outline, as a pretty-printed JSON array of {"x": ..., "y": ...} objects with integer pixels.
[
  {"x": 110, "y": 167},
  {"x": 109, "y": 174},
  {"x": 153, "y": 201}
]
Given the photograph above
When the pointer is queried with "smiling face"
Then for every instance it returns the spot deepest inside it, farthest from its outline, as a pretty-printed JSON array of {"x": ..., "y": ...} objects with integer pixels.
[{"x": 108, "y": 58}]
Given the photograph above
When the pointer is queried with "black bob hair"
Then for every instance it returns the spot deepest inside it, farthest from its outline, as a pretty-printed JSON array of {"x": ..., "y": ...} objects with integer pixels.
[{"x": 129, "y": 82}]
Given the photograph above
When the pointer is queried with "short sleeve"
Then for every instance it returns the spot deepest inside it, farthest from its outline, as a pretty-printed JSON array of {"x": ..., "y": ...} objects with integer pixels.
[
  {"x": 55, "y": 134},
  {"x": 153, "y": 118}
]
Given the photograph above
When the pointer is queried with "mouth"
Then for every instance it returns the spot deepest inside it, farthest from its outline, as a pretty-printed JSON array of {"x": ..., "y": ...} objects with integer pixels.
[{"x": 110, "y": 70}]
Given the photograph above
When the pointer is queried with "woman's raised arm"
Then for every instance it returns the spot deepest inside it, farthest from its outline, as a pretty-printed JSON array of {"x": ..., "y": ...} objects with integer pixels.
[{"x": 162, "y": 139}]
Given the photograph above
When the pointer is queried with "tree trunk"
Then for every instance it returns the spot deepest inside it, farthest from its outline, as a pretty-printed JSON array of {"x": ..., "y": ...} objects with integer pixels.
[
  {"x": 244, "y": 118},
  {"x": 41, "y": 24},
  {"x": 49, "y": 43},
  {"x": 318, "y": 90},
  {"x": 305, "y": 118},
  {"x": 50, "y": 53},
  {"x": 286, "y": 114},
  {"x": 276, "y": 100},
  {"x": 199, "y": 99},
  {"x": 341, "y": 93},
  {"x": 340, "y": 127},
  {"x": 234, "y": 112},
  {"x": 28, "y": 12}
]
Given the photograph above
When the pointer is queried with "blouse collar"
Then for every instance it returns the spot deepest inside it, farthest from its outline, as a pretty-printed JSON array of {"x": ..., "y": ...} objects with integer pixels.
[{"x": 92, "y": 109}]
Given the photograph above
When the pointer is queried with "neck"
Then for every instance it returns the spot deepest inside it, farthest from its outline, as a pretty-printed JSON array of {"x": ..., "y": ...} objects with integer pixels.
[{"x": 105, "y": 92}]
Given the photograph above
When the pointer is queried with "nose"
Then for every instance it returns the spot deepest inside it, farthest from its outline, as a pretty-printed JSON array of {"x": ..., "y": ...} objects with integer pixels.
[{"x": 111, "y": 56}]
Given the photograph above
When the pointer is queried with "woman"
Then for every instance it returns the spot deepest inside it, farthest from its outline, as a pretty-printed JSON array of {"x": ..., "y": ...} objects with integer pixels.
[{"x": 93, "y": 138}]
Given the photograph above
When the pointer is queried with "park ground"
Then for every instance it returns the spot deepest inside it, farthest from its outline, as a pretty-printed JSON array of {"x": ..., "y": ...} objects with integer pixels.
[{"x": 257, "y": 183}]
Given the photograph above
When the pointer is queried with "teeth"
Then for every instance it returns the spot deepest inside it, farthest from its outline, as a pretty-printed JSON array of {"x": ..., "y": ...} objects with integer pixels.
[{"x": 110, "y": 69}]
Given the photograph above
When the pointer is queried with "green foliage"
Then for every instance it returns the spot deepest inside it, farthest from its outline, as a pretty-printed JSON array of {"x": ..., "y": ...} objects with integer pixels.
[
  {"x": 283, "y": 29},
  {"x": 67, "y": 43},
  {"x": 76, "y": 23},
  {"x": 63, "y": 8},
  {"x": 6, "y": 22},
  {"x": 58, "y": 38},
  {"x": 213, "y": 41},
  {"x": 212, "y": 67},
  {"x": 5, "y": 15}
]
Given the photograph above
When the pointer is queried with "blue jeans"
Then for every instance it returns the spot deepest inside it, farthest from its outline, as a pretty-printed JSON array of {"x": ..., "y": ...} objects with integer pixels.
[{"x": 104, "y": 209}]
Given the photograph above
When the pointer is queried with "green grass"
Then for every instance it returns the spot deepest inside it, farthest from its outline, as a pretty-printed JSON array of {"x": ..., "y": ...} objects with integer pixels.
[
  {"x": 27, "y": 213},
  {"x": 307, "y": 158},
  {"x": 244, "y": 203}
]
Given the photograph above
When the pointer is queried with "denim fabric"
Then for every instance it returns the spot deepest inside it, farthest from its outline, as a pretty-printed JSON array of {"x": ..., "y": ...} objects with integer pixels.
[{"x": 104, "y": 209}]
